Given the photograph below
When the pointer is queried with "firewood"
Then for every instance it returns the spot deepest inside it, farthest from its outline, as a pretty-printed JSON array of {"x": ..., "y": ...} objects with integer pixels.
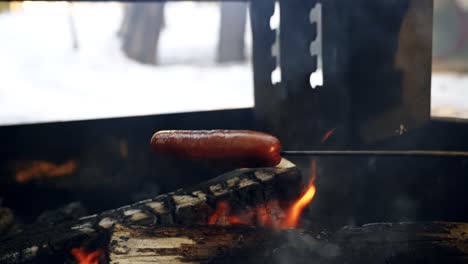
[
  {"x": 6, "y": 219},
  {"x": 243, "y": 188},
  {"x": 409, "y": 242}
]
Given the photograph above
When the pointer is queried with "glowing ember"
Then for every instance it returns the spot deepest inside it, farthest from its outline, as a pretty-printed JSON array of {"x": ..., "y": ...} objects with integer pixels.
[
  {"x": 269, "y": 214},
  {"x": 221, "y": 214},
  {"x": 85, "y": 257},
  {"x": 327, "y": 135},
  {"x": 43, "y": 169},
  {"x": 266, "y": 215}
]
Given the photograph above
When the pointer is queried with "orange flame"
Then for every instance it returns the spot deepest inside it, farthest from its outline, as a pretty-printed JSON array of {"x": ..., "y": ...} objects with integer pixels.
[
  {"x": 43, "y": 169},
  {"x": 269, "y": 214},
  {"x": 295, "y": 211},
  {"x": 85, "y": 257},
  {"x": 327, "y": 135}
]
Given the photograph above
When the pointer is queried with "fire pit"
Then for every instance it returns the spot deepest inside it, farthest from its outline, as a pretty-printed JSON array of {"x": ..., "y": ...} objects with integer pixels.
[
  {"x": 244, "y": 216},
  {"x": 353, "y": 76},
  {"x": 266, "y": 197}
]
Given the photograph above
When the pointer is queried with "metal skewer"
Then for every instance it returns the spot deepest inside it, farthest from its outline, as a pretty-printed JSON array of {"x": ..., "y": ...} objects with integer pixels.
[{"x": 413, "y": 153}]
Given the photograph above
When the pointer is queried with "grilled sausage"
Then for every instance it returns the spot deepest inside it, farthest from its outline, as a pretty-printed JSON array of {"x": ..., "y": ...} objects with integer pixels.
[{"x": 241, "y": 147}]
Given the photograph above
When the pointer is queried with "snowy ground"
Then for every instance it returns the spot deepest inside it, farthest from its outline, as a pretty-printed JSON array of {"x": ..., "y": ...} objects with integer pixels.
[
  {"x": 449, "y": 96},
  {"x": 43, "y": 79}
]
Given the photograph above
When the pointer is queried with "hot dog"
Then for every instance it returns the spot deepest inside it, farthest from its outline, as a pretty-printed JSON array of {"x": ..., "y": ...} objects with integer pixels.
[{"x": 243, "y": 147}]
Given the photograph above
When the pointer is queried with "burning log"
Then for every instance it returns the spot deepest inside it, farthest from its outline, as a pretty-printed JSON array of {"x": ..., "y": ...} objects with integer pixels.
[
  {"x": 409, "y": 242},
  {"x": 213, "y": 223},
  {"x": 242, "y": 189}
]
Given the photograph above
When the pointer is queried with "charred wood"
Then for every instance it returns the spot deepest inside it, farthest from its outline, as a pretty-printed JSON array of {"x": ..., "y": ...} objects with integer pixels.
[
  {"x": 69, "y": 212},
  {"x": 243, "y": 188},
  {"x": 410, "y": 242},
  {"x": 7, "y": 220}
]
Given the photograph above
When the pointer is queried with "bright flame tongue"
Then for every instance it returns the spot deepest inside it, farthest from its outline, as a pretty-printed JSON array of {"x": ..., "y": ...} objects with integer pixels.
[
  {"x": 85, "y": 257},
  {"x": 268, "y": 214},
  {"x": 295, "y": 211}
]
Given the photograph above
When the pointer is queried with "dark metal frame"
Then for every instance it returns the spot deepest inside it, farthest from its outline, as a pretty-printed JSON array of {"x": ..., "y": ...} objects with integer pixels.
[{"x": 372, "y": 71}]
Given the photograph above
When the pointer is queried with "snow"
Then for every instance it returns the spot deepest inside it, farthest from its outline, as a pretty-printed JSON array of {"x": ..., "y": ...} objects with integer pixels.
[
  {"x": 449, "y": 96},
  {"x": 43, "y": 79}
]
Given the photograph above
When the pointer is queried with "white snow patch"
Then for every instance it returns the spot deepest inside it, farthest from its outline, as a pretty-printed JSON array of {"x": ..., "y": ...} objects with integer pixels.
[
  {"x": 43, "y": 79},
  {"x": 449, "y": 96}
]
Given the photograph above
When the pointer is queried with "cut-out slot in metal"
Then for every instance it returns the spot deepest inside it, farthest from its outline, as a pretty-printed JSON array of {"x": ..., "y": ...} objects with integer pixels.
[
  {"x": 315, "y": 17},
  {"x": 276, "y": 75},
  {"x": 275, "y": 48}
]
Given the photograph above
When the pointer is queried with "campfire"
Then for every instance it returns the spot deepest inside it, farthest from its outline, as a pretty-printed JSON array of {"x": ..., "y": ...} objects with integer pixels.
[
  {"x": 271, "y": 198},
  {"x": 246, "y": 215},
  {"x": 270, "y": 214},
  {"x": 350, "y": 166}
]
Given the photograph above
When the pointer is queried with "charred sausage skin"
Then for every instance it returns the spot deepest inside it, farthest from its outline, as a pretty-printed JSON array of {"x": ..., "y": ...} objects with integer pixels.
[{"x": 243, "y": 147}]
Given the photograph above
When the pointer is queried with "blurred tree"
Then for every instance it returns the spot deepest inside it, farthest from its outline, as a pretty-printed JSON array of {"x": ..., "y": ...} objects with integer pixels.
[
  {"x": 231, "y": 46},
  {"x": 71, "y": 22},
  {"x": 450, "y": 41},
  {"x": 140, "y": 30},
  {"x": 4, "y": 7}
]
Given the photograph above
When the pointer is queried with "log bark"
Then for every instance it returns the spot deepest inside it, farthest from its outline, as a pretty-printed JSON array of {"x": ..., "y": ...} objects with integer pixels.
[
  {"x": 242, "y": 188},
  {"x": 410, "y": 242}
]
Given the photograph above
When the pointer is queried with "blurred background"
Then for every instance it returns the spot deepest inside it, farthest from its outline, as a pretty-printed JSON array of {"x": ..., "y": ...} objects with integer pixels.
[
  {"x": 65, "y": 59},
  {"x": 72, "y": 61},
  {"x": 450, "y": 59}
]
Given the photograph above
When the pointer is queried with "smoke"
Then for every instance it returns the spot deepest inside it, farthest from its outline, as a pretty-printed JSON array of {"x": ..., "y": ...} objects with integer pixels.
[{"x": 301, "y": 248}]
